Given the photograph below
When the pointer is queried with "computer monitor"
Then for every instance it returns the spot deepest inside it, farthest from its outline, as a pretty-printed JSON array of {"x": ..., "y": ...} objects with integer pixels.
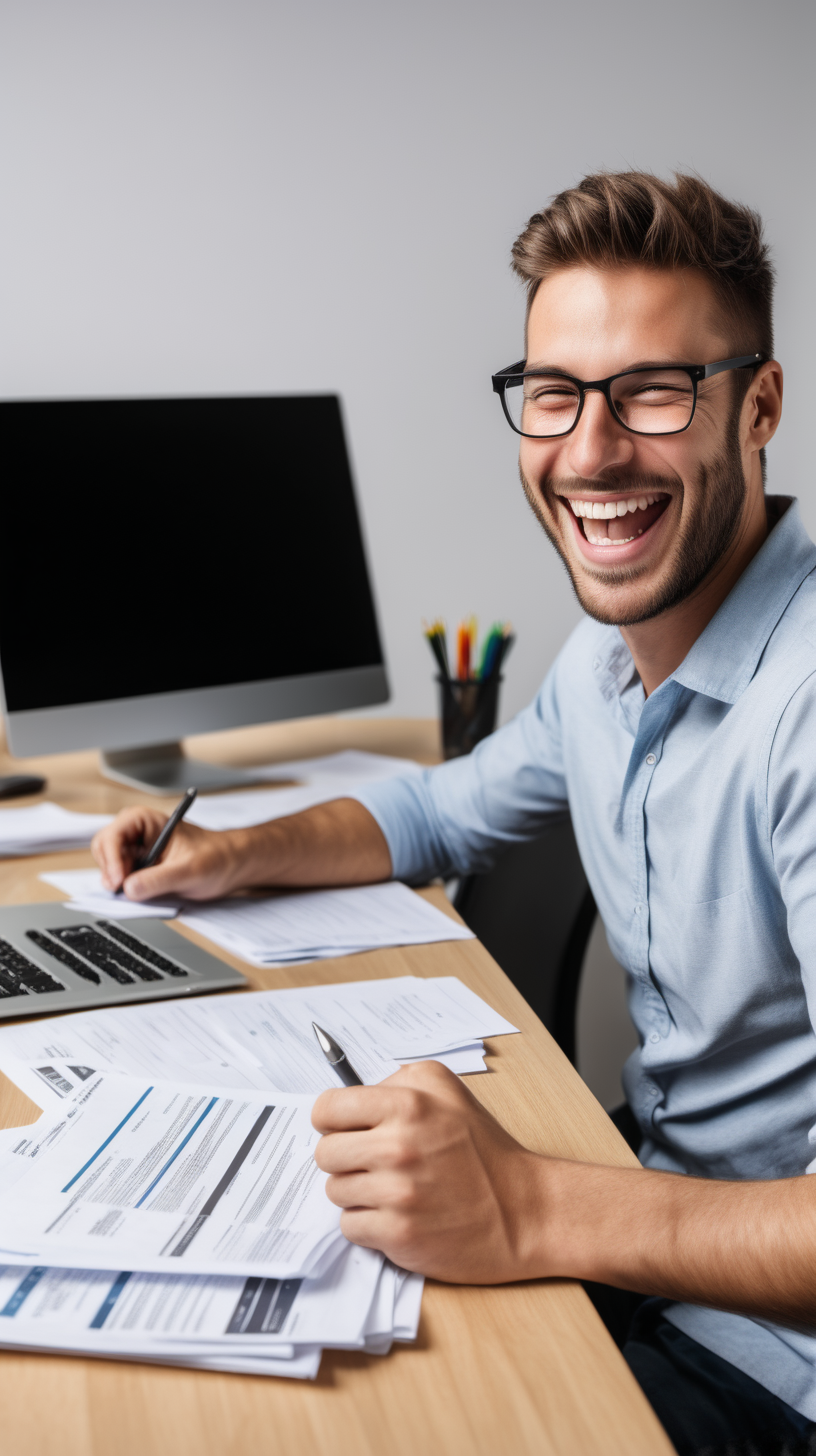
[{"x": 178, "y": 566}]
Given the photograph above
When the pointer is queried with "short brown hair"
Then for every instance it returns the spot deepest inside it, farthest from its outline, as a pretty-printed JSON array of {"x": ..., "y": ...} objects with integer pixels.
[{"x": 633, "y": 217}]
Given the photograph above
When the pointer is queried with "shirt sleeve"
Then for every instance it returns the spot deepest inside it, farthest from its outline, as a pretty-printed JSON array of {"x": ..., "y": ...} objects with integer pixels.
[{"x": 456, "y": 819}]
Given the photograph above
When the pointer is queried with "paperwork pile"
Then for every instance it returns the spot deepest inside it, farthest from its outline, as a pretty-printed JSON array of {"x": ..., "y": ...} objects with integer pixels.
[
  {"x": 234, "y": 1256},
  {"x": 167, "y": 1205},
  {"x": 88, "y": 895},
  {"x": 46, "y": 828},
  {"x": 317, "y": 780},
  {"x": 259, "y": 1040},
  {"x": 315, "y": 924}
]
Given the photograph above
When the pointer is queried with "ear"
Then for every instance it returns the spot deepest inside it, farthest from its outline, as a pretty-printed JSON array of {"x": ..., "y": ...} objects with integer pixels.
[{"x": 762, "y": 406}]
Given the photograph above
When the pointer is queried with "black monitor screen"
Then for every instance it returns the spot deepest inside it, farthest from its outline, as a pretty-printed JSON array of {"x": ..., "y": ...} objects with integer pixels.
[{"x": 152, "y": 546}]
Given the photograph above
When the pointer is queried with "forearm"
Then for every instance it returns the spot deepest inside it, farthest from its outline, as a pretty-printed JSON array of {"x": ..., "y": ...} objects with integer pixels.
[
  {"x": 748, "y": 1247},
  {"x": 338, "y": 843}
]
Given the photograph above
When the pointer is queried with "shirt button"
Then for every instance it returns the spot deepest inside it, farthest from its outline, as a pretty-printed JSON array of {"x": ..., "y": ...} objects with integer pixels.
[
  {"x": 655, "y": 1036},
  {"x": 597, "y": 664},
  {"x": 638, "y": 909},
  {"x": 650, "y": 759}
]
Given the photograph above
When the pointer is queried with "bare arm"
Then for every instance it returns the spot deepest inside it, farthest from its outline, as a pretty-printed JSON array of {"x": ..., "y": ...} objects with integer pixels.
[
  {"x": 424, "y": 1173},
  {"x": 338, "y": 843}
]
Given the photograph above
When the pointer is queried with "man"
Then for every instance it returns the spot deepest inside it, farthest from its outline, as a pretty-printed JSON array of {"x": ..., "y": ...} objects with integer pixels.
[{"x": 676, "y": 723}]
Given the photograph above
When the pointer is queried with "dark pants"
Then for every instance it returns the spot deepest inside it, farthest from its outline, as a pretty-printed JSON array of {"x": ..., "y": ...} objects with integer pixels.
[{"x": 707, "y": 1406}]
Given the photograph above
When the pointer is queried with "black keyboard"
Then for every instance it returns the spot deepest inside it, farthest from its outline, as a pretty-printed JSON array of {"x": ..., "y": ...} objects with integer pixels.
[
  {"x": 145, "y": 952},
  {"x": 103, "y": 953},
  {"x": 21, "y": 977},
  {"x": 89, "y": 949},
  {"x": 64, "y": 955}
]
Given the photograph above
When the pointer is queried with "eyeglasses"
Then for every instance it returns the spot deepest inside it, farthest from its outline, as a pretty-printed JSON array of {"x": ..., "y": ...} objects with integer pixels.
[{"x": 542, "y": 404}]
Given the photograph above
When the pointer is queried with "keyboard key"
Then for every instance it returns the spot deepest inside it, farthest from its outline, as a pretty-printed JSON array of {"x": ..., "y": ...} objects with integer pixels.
[
  {"x": 65, "y": 956},
  {"x": 96, "y": 948},
  {"x": 19, "y": 975},
  {"x": 140, "y": 948}
]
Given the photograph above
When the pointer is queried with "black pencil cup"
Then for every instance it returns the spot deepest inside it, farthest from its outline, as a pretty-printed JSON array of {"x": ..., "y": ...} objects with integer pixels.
[{"x": 468, "y": 711}]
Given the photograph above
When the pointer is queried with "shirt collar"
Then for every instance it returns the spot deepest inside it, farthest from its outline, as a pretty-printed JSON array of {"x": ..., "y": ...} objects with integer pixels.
[{"x": 724, "y": 658}]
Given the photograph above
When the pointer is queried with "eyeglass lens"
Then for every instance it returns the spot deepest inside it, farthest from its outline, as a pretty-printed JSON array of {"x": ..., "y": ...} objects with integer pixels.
[{"x": 652, "y": 401}]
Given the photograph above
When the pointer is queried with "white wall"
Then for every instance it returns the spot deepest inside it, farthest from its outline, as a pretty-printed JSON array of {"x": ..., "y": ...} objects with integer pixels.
[{"x": 260, "y": 196}]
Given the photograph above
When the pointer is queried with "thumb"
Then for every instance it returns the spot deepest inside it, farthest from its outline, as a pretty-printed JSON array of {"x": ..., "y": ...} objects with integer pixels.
[{"x": 161, "y": 879}]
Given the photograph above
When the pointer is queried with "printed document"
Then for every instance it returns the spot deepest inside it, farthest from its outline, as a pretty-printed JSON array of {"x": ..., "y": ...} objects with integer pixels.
[
  {"x": 160, "y": 1177},
  {"x": 44, "y": 828},
  {"x": 89, "y": 897},
  {"x": 315, "y": 924},
  {"x": 316, "y": 780},
  {"x": 258, "y": 1039}
]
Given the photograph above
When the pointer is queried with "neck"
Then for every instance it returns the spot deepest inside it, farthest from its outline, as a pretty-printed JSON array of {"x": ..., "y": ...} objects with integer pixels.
[{"x": 659, "y": 645}]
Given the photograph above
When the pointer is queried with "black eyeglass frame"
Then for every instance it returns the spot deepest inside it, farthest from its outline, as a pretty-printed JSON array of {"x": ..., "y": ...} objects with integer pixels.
[{"x": 695, "y": 372}]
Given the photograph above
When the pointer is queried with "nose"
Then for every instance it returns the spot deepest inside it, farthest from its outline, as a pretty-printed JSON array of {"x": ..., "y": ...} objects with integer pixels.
[{"x": 598, "y": 442}]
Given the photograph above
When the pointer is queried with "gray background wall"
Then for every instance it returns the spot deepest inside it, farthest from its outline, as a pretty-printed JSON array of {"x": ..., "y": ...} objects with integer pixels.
[{"x": 208, "y": 197}]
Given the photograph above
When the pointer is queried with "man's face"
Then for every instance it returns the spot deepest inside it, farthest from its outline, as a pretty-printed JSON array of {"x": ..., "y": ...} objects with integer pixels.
[{"x": 685, "y": 494}]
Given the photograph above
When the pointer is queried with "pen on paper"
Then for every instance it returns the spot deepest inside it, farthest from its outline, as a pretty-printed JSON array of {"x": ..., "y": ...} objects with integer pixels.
[{"x": 336, "y": 1057}]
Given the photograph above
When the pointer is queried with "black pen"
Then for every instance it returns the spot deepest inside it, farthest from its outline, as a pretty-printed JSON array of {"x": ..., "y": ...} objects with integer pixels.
[
  {"x": 336, "y": 1058},
  {"x": 148, "y": 860}
]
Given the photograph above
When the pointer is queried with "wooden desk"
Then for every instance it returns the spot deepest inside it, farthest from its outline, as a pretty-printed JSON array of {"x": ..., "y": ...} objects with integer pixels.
[{"x": 526, "y": 1369}]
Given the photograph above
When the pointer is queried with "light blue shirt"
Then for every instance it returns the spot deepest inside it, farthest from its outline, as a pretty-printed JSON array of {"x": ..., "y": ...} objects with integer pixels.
[{"x": 695, "y": 815}]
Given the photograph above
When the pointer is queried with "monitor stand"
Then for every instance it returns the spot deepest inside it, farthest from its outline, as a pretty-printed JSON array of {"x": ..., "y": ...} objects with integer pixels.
[{"x": 164, "y": 768}]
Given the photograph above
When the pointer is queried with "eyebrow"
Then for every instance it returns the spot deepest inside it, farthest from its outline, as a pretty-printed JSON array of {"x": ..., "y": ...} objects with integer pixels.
[{"x": 544, "y": 368}]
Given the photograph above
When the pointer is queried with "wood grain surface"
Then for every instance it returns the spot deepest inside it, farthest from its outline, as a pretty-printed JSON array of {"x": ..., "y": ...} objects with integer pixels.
[{"x": 525, "y": 1368}]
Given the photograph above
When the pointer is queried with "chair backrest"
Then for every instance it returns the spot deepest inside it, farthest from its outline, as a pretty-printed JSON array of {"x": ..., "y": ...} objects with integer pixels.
[{"x": 534, "y": 912}]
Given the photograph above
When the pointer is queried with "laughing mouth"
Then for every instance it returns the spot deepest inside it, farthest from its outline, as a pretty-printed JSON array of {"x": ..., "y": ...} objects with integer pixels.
[{"x": 617, "y": 522}]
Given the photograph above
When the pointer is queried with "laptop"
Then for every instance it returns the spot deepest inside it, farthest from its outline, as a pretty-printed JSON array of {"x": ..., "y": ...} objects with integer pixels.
[{"x": 54, "y": 959}]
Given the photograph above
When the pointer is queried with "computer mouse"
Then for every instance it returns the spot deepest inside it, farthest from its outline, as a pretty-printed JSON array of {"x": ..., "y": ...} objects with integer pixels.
[{"x": 13, "y": 786}]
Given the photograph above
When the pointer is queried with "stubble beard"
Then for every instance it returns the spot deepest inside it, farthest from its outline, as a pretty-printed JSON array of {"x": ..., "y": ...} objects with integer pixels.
[{"x": 721, "y": 492}]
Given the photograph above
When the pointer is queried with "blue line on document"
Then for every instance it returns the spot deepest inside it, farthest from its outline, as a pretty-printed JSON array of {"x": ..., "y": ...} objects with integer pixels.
[
  {"x": 22, "y": 1292},
  {"x": 109, "y": 1301},
  {"x": 101, "y": 1149},
  {"x": 173, "y": 1156}
]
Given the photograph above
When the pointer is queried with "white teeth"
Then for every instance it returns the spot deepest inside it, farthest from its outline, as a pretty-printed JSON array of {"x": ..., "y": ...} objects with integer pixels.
[{"x": 608, "y": 510}]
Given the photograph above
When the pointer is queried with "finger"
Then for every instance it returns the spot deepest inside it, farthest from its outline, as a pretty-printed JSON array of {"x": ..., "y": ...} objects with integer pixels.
[
  {"x": 356, "y": 1190},
  {"x": 346, "y": 1152},
  {"x": 346, "y": 1109},
  {"x": 363, "y": 1226},
  {"x": 373, "y": 1229},
  {"x": 116, "y": 846},
  {"x": 166, "y": 878}
]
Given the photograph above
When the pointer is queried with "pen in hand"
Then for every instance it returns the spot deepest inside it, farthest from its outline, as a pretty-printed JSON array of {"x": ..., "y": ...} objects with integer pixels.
[
  {"x": 336, "y": 1057},
  {"x": 147, "y": 861}
]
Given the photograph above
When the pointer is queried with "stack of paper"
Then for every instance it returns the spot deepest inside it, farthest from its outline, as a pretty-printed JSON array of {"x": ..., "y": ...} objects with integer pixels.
[
  {"x": 258, "y": 1040},
  {"x": 45, "y": 828},
  {"x": 315, "y": 924},
  {"x": 167, "y": 1205},
  {"x": 232, "y": 1254},
  {"x": 316, "y": 781},
  {"x": 88, "y": 895}
]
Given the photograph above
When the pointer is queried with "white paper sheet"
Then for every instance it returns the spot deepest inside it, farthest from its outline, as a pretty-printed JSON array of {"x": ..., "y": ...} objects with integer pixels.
[
  {"x": 258, "y": 1039},
  {"x": 316, "y": 924},
  {"x": 316, "y": 781},
  {"x": 96, "y": 1310},
  {"x": 90, "y": 898},
  {"x": 163, "y": 1178},
  {"x": 47, "y": 827}
]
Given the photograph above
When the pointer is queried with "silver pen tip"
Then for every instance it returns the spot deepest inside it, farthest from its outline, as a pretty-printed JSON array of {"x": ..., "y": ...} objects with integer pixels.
[{"x": 322, "y": 1039}]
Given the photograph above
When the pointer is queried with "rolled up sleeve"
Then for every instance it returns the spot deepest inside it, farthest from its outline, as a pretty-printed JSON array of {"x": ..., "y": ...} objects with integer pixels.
[{"x": 457, "y": 818}]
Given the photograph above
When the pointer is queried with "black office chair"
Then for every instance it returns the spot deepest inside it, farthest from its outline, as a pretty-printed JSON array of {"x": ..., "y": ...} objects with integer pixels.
[{"x": 534, "y": 911}]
